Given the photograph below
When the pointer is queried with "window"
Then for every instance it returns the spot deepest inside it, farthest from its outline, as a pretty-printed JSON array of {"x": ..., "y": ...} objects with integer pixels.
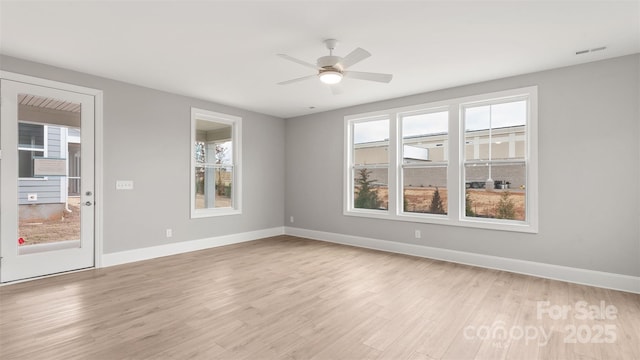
[
  {"x": 465, "y": 162},
  {"x": 215, "y": 164},
  {"x": 424, "y": 162},
  {"x": 31, "y": 144},
  {"x": 495, "y": 159},
  {"x": 370, "y": 169}
]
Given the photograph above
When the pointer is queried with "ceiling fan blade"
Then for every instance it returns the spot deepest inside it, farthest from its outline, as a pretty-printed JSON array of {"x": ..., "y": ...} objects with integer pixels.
[
  {"x": 298, "y": 61},
  {"x": 336, "y": 89},
  {"x": 355, "y": 56},
  {"x": 298, "y": 79},
  {"x": 384, "y": 78}
]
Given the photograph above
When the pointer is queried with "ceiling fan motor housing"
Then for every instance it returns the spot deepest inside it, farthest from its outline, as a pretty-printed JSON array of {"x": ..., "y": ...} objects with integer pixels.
[
  {"x": 330, "y": 62},
  {"x": 331, "y": 69}
]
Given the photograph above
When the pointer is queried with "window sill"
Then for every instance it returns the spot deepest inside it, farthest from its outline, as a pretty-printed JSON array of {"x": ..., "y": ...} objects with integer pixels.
[
  {"x": 204, "y": 213},
  {"x": 447, "y": 220}
]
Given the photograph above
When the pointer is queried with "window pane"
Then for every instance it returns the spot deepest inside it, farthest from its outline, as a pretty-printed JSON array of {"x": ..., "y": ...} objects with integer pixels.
[
  {"x": 476, "y": 118},
  {"x": 424, "y": 137},
  {"x": 220, "y": 153},
  {"x": 500, "y": 125},
  {"x": 504, "y": 200},
  {"x": 25, "y": 162},
  {"x": 224, "y": 178},
  {"x": 425, "y": 190},
  {"x": 223, "y": 152},
  {"x": 30, "y": 136},
  {"x": 199, "y": 152},
  {"x": 370, "y": 188},
  {"x": 213, "y": 187},
  {"x": 199, "y": 177},
  {"x": 371, "y": 142}
]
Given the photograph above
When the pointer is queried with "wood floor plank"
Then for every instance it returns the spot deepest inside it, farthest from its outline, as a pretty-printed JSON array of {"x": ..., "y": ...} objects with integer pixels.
[
  {"x": 528, "y": 346},
  {"x": 292, "y": 298},
  {"x": 458, "y": 301}
]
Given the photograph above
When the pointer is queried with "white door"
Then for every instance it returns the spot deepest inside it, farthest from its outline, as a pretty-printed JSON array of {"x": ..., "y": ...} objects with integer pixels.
[{"x": 46, "y": 180}]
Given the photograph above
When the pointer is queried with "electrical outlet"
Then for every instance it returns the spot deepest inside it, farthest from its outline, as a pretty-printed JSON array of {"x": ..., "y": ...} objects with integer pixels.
[
  {"x": 291, "y": 219},
  {"x": 124, "y": 184},
  {"x": 418, "y": 234},
  {"x": 169, "y": 233}
]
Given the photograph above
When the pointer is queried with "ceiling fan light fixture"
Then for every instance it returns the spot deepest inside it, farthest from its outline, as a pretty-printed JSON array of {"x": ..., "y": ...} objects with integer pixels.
[
  {"x": 330, "y": 77},
  {"x": 331, "y": 69}
]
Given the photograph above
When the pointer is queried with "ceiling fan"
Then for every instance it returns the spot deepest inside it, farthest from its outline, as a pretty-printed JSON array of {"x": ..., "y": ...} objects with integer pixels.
[{"x": 331, "y": 69}]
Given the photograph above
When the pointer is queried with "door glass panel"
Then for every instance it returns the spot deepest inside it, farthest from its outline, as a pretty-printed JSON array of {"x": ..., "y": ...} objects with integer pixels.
[{"x": 49, "y": 174}]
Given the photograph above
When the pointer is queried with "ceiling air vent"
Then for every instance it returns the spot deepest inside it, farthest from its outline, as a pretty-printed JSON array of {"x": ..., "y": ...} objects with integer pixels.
[{"x": 585, "y": 51}]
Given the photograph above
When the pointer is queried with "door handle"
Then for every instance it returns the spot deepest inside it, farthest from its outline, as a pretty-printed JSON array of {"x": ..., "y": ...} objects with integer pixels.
[{"x": 88, "y": 203}]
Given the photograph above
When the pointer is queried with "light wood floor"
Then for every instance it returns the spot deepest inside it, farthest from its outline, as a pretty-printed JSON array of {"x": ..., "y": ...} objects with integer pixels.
[{"x": 291, "y": 298}]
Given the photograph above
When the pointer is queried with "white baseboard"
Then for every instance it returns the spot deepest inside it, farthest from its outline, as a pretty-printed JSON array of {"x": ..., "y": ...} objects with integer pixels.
[
  {"x": 548, "y": 271},
  {"x": 147, "y": 253},
  {"x": 556, "y": 272}
]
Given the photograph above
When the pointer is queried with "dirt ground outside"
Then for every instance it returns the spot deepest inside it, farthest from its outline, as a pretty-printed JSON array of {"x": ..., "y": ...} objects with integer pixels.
[
  {"x": 483, "y": 203},
  {"x": 67, "y": 227},
  {"x": 419, "y": 199}
]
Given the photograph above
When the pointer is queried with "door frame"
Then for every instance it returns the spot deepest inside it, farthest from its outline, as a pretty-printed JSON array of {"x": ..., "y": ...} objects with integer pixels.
[{"x": 98, "y": 153}]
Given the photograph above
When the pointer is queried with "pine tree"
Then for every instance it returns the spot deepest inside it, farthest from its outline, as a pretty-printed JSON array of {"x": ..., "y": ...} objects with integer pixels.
[
  {"x": 367, "y": 194},
  {"x": 506, "y": 207},
  {"x": 468, "y": 203},
  {"x": 436, "y": 206}
]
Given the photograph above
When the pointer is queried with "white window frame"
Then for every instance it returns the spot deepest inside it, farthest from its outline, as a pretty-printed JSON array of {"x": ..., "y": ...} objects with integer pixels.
[
  {"x": 352, "y": 167},
  {"x": 455, "y": 171},
  {"x": 236, "y": 137}
]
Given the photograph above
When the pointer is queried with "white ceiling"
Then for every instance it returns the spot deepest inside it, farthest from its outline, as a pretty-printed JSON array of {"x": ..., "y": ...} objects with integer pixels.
[{"x": 225, "y": 51}]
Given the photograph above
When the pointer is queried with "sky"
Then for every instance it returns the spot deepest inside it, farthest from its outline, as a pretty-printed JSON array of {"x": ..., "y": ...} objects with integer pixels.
[
  {"x": 501, "y": 115},
  {"x": 476, "y": 118}
]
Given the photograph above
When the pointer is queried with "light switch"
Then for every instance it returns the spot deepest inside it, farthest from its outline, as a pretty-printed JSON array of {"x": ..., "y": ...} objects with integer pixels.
[{"x": 124, "y": 184}]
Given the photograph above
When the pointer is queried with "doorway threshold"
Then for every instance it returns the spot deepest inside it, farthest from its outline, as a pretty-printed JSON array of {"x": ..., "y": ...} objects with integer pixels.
[{"x": 53, "y": 246}]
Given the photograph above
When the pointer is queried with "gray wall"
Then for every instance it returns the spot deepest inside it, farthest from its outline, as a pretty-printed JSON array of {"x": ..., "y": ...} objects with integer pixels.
[
  {"x": 147, "y": 140},
  {"x": 588, "y": 218},
  {"x": 588, "y": 166}
]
